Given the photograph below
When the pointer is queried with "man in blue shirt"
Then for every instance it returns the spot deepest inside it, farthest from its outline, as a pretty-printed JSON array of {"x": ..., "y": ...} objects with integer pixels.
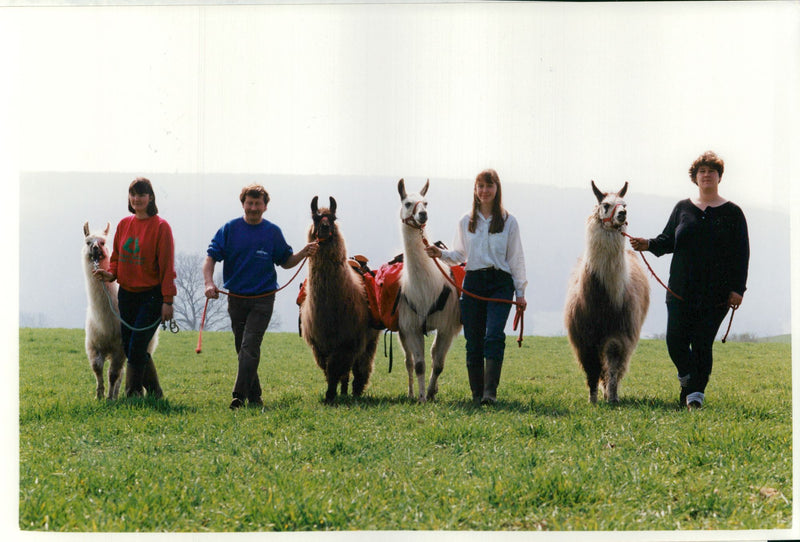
[{"x": 250, "y": 248}]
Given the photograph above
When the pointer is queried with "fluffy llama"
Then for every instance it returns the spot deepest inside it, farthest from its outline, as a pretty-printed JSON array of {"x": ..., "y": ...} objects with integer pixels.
[
  {"x": 607, "y": 298},
  {"x": 102, "y": 328},
  {"x": 335, "y": 315},
  {"x": 427, "y": 300}
]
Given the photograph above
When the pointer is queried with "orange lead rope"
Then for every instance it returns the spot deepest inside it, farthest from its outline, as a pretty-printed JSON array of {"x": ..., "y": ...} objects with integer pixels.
[
  {"x": 725, "y": 338},
  {"x": 205, "y": 308},
  {"x": 519, "y": 318},
  {"x": 651, "y": 270}
]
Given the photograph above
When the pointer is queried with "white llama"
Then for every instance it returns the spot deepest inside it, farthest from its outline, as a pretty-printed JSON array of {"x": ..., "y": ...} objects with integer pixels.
[{"x": 427, "y": 301}]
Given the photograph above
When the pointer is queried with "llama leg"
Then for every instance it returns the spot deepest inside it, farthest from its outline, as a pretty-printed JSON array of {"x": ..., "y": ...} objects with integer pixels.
[
  {"x": 115, "y": 374},
  {"x": 416, "y": 347},
  {"x": 362, "y": 368},
  {"x": 96, "y": 360},
  {"x": 438, "y": 353},
  {"x": 615, "y": 360},
  {"x": 409, "y": 363},
  {"x": 590, "y": 360}
]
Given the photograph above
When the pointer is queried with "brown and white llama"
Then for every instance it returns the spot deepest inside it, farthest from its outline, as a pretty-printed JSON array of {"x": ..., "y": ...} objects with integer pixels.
[
  {"x": 427, "y": 300},
  {"x": 335, "y": 315},
  {"x": 103, "y": 338},
  {"x": 607, "y": 298}
]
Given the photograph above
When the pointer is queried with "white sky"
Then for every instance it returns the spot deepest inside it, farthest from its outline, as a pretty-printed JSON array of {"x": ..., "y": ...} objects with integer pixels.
[{"x": 544, "y": 93}]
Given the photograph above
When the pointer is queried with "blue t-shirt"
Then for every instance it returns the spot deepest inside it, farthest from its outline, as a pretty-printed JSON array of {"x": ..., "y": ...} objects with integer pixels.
[{"x": 250, "y": 254}]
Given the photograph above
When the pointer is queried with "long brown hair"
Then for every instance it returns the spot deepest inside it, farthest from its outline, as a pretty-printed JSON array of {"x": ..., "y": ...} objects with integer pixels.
[
  {"x": 140, "y": 185},
  {"x": 489, "y": 176}
]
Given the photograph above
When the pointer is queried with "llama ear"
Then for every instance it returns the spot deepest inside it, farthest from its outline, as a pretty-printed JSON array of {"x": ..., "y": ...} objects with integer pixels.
[
  {"x": 401, "y": 188},
  {"x": 314, "y": 208},
  {"x": 599, "y": 195},
  {"x": 108, "y": 228},
  {"x": 332, "y": 208},
  {"x": 425, "y": 188},
  {"x": 85, "y": 229},
  {"x": 621, "y": 193}
]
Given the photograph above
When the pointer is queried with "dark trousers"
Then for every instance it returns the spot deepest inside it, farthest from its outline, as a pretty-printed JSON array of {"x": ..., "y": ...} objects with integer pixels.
[
  {"x": 249, "y": 321},
  {"x": 485, "y": 322},
  {"x": 140, "y": 310},
  {"x": 691, "y": 330}
]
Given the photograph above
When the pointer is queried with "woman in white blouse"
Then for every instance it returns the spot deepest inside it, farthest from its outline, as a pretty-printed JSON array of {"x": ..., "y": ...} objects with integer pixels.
[{"x": 488, "y": 240}]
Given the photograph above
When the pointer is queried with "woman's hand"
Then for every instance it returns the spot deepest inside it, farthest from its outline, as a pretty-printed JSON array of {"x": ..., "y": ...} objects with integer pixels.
[
  {"x": 522, "y": 303},
  {"x": 734, "y": 300},
  {"x": 103, "y": 275},
  {"x": 433, "y": 251},
  {"x": 639, "y": 243},
  {"x": 167, "y": 312}
]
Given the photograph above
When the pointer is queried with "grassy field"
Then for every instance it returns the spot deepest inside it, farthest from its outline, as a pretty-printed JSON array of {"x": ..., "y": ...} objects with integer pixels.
[{"x": 541, "y": 459}]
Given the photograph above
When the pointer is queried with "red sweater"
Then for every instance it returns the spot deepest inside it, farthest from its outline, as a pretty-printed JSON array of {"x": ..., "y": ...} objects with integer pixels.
[{"x": 144, "y": 255}]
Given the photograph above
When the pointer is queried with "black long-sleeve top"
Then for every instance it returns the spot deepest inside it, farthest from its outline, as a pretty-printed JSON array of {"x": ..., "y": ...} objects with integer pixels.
[{"x": 710, "y": 252}]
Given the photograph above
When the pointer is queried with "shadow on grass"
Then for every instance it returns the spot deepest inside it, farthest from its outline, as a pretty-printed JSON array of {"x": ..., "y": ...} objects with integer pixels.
[
  {"x": 654, "y": 403},
  {"x": 160, "y": 406}
]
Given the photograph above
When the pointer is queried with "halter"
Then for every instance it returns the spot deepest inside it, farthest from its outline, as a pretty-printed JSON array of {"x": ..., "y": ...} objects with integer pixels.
[
  {"x": 411, "y": 221},
  {"x": 613, "y": 212}
]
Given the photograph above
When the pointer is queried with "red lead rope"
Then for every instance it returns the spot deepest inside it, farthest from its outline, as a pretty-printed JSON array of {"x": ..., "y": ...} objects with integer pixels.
[
  {"x": 519, "y": 316},
  {"x": 205, "y": 308},
  {"x": 725, "y": 338}
]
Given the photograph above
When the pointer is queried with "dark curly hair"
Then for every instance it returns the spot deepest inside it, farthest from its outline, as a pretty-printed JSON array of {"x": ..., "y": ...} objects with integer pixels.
[{"x": 710, "y": 159}]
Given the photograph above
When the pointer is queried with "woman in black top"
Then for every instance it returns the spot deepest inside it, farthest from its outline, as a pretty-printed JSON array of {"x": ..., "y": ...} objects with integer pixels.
[{"x": 707, "y": 236}]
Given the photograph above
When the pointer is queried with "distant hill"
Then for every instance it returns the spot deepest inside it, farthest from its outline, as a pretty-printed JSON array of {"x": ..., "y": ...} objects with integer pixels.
[{"x": 551, "y": 219}]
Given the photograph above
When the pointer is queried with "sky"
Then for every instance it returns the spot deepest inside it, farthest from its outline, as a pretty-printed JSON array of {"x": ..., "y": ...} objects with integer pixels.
[{"x": 545, "y": 93}]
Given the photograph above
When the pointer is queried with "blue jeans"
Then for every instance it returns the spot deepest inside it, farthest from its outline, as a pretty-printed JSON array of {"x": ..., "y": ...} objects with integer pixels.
[
  {"x": 485, "y": 322},
  {"x": 139, "y": 310}
]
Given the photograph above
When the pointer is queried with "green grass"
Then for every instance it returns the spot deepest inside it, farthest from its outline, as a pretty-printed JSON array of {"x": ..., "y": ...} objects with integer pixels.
[{"x": 542, "y": 459}]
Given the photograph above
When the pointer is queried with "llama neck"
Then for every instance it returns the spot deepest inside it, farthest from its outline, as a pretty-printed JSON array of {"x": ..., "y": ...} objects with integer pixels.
[
  {"x": 605, "y": 259},
  {"x": 414, "y": 251},
  {"x": 328, "y": 265}
]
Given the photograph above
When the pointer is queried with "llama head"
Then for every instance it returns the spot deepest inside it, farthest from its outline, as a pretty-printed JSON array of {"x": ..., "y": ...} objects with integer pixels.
[
  {"x": 611, "y": 211},
  {"x": 94, "y": 247},
  {"x": 414, "y": 206},
  {"x": 324, "y": 219}
]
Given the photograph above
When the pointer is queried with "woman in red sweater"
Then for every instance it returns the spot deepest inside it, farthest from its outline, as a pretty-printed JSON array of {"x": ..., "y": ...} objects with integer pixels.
[{"x": 143, "y": 263}]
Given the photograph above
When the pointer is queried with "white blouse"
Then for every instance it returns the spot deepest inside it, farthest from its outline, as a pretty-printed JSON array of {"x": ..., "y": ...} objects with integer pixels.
[{"x": 481, "y": 249}]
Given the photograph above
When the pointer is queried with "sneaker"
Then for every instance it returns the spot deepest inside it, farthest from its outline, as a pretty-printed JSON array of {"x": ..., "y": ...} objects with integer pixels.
[
  {"x": 694, "y": 405},
  {"x": 236, "y": 403}
]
